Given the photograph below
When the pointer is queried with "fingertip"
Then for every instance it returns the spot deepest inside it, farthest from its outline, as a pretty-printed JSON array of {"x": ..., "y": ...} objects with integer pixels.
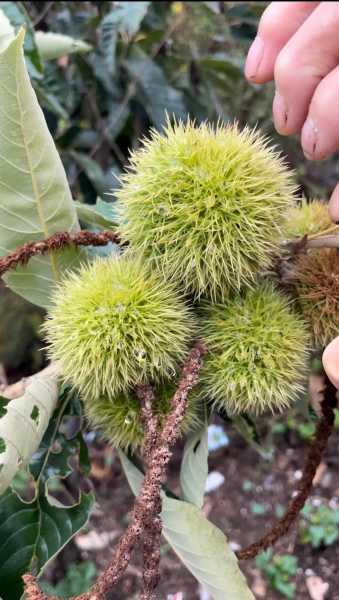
[
  {"x": 279, "y": 21},
  {"x": 253, "y": 60},
  {"x": 333, "y": 206},
  {"x": 330, "y": 361},
  {"x": 320, "y": 132},
  {"x": 284, "y": 124}
]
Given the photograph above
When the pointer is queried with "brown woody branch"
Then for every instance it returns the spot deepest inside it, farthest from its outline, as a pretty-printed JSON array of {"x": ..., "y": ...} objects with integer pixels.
[
  {"x": 153, "y": 527},
  {"x": 58, "y": 241},
  {"x": 149, "y": 420}
]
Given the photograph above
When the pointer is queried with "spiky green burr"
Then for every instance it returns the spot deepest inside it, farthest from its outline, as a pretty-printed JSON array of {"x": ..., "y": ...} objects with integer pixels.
[
  {"x": 116, "y": 324},
  {"x": 120, "y": 421},
  {"x": 257, "y": 352},
  {"x": 307, "y": 218},
  {"x": 206, "y": 205},
  {"x": 316, "y": 278}
]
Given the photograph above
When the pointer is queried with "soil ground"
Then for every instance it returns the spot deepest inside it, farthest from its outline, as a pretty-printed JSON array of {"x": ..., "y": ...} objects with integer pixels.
[{"x": 229, "y": 507}]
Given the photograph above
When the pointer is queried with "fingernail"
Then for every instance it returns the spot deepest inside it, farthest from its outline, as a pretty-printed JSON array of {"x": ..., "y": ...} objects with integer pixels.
[
  {"x": 279, "y": 112},
  {"x": 309, "y": 138},
  {"x": 254, "y": 58}
]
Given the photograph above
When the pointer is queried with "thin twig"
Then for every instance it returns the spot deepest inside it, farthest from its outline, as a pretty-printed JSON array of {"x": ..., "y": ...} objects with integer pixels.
[
  {"x": 104, "y": 133},
  {"x": 316, "y": 241},
  {"x": 325, "y": 241},
  {"x": 43, "y": 14}
]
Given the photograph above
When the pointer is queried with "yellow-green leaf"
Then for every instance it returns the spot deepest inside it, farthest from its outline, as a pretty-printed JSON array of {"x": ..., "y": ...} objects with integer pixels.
[
  {"x": 200, "y": 545},
  {"x": 23, "y": 422},
  {"x": 194, "y": 468},
  {"x": 35, "y": 199},
  {"x": 91, "y": 215}
]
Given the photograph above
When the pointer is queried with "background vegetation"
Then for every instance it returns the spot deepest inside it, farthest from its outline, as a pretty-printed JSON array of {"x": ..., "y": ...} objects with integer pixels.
[{"x": 147, "y": 58}]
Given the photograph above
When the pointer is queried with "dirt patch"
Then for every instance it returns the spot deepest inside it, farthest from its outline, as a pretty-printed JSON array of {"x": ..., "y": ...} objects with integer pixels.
[{"x": 244, "y": 507}]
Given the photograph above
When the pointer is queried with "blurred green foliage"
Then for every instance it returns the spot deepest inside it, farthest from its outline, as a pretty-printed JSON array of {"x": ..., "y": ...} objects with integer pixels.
[
  {"x": 278, "y": 570},
  {"x": 319, "y": 525},
  {"x": 257, "y": 508},
  {"x": 20, "y": 341},
  {"x": 149, "y": 58},
  {"x": 77, "y": 580},
  {"x": 305, "y": 429}
]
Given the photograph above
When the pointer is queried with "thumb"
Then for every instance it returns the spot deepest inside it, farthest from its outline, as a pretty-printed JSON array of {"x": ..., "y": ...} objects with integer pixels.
[
  {"x": 334, "y": 205},
  {"x": 331, "y": 361}
]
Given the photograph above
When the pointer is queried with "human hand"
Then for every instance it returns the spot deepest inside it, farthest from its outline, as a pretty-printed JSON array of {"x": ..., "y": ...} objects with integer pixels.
[
  {"x": 297, "y": 45},
  {"x": 331, "y": 361}
]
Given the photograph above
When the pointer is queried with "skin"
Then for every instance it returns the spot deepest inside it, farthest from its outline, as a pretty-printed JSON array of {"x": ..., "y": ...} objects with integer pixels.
[{"x": 297, "y": 46}]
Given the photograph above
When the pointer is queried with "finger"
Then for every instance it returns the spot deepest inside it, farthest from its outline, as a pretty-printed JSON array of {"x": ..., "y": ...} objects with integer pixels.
[
  {"x": 331, "y": 361},
  {"x": 310, "y": 54},
  {"x": 333, "y": 206},
  {"x": 278, "y": 23},
  {"x": 320, "y": 132}
]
